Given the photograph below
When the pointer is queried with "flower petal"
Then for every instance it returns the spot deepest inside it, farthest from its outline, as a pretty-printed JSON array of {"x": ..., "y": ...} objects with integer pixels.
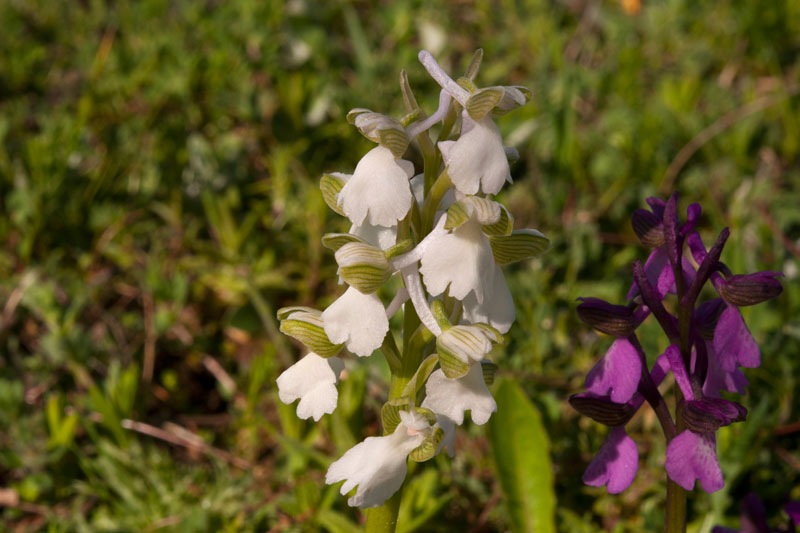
[
  {"x": 477, "y": 160},
  {"x": 452, "y": 397},
  {"x": 358, "y": 320},
  {"x": 497, "y": 308},
  {"x": 693, "y": 456},
  {"x": 380, "y": 236},
  {"x": 617, "y": 374},
  {"x": 615, "y": 464},
  {"x": 313, "y": 380},
  {"x": 461, "y": 260},
  {"x": 733, "y": 342},
  {"x": 378, "y": 190}
]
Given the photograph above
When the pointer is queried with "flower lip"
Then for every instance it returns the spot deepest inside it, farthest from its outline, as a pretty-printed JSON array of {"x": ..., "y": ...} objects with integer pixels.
[
  {"x": 379, "y": 189},
  {"x": 615, "y": 464},
  {"x": 693, "y": 457},
  {"x": 312, "y": 380}
]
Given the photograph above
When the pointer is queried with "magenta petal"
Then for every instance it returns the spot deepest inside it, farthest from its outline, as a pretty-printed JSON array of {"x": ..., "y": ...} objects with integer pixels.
[
  {"x": 733, "y": 343},
  {"x": 617, "y": 374},
  {"x": 615, "y": 464},
  {"x": 659, "y": 274},
  {"x": 718, "y": 379},
  {"x": 693, "y": 456},
  {"x": 673, "y": 355}
]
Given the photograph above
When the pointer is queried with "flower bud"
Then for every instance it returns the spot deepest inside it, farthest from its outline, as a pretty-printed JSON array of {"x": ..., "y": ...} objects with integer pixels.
[
  {"x": 750, "y": 289},
  {"x": 601, "y": 409},
  {"x": 705, "y": 415},
  {"x": 615, "y": 320}
]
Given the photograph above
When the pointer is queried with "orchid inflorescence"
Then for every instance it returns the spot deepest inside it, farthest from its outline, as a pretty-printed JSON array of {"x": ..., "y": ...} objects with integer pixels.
[
  {"x": 440, "y": 232},
  {"x": 708, "y": 345}
]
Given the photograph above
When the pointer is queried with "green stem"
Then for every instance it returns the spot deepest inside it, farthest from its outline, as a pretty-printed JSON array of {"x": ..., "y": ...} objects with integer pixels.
[
  {"x": 432, "y": 200},
  {"x": 676, "y": 508},
  {"x": 383, "y": 519},
  {"x": 675, "y": 520}
]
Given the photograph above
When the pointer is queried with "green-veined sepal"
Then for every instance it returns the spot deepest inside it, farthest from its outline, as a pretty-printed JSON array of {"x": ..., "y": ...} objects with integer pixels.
[
  {"x": 331, "y": 185},
  {"x": 305, "y": 324},
  {"x": 363, "y": 266},
  {"x": 429, "y": 447},
  {"x": 520, "y": 245},
  {"x": 334, "y": 241},
  {"x": 381, "y": 129},
  {"x": 483, "y": 101}
]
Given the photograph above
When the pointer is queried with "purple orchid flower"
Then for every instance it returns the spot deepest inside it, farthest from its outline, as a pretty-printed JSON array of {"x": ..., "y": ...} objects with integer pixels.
[{"x": 709, "y": 344}]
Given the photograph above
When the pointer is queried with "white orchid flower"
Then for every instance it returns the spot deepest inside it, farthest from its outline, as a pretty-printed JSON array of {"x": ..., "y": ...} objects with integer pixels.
[{"x": 377, "y": 466}]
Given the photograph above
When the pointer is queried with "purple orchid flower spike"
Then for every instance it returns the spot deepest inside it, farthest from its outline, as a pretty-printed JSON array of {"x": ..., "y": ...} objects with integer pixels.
[{"x": 709, "y": 344}]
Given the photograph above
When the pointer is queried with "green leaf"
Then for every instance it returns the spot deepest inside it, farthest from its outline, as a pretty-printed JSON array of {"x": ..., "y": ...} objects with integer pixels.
[
  {"x": 520, "y": 245},
  {"x": 521, "y": 450},
  {"x": 335, "y": 522}
]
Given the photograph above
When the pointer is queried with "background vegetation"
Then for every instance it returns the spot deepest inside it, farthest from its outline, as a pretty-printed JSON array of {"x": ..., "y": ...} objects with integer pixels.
[{"x": 159, "y": 163}]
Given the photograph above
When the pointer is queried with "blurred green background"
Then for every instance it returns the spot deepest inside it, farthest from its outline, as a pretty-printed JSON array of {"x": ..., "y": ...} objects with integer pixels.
[{"x": 159, "y": 167}]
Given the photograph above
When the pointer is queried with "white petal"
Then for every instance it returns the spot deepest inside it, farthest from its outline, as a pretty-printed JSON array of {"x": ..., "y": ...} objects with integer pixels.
[
  {"x": 477, "y": 160},
  {"x": 463, "y": 260},
  {"x": 377, "y": 466},
  {"x": 380, "y": 236},
  {"x": 313, "y": 380},
  {"x": 497, "y": 308},
  {"x": 378, "y": 190},
  {"x": 452, "y": 397},
  {"x": 449, "y": 439},
  {"x": 358, "y": 320}
]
